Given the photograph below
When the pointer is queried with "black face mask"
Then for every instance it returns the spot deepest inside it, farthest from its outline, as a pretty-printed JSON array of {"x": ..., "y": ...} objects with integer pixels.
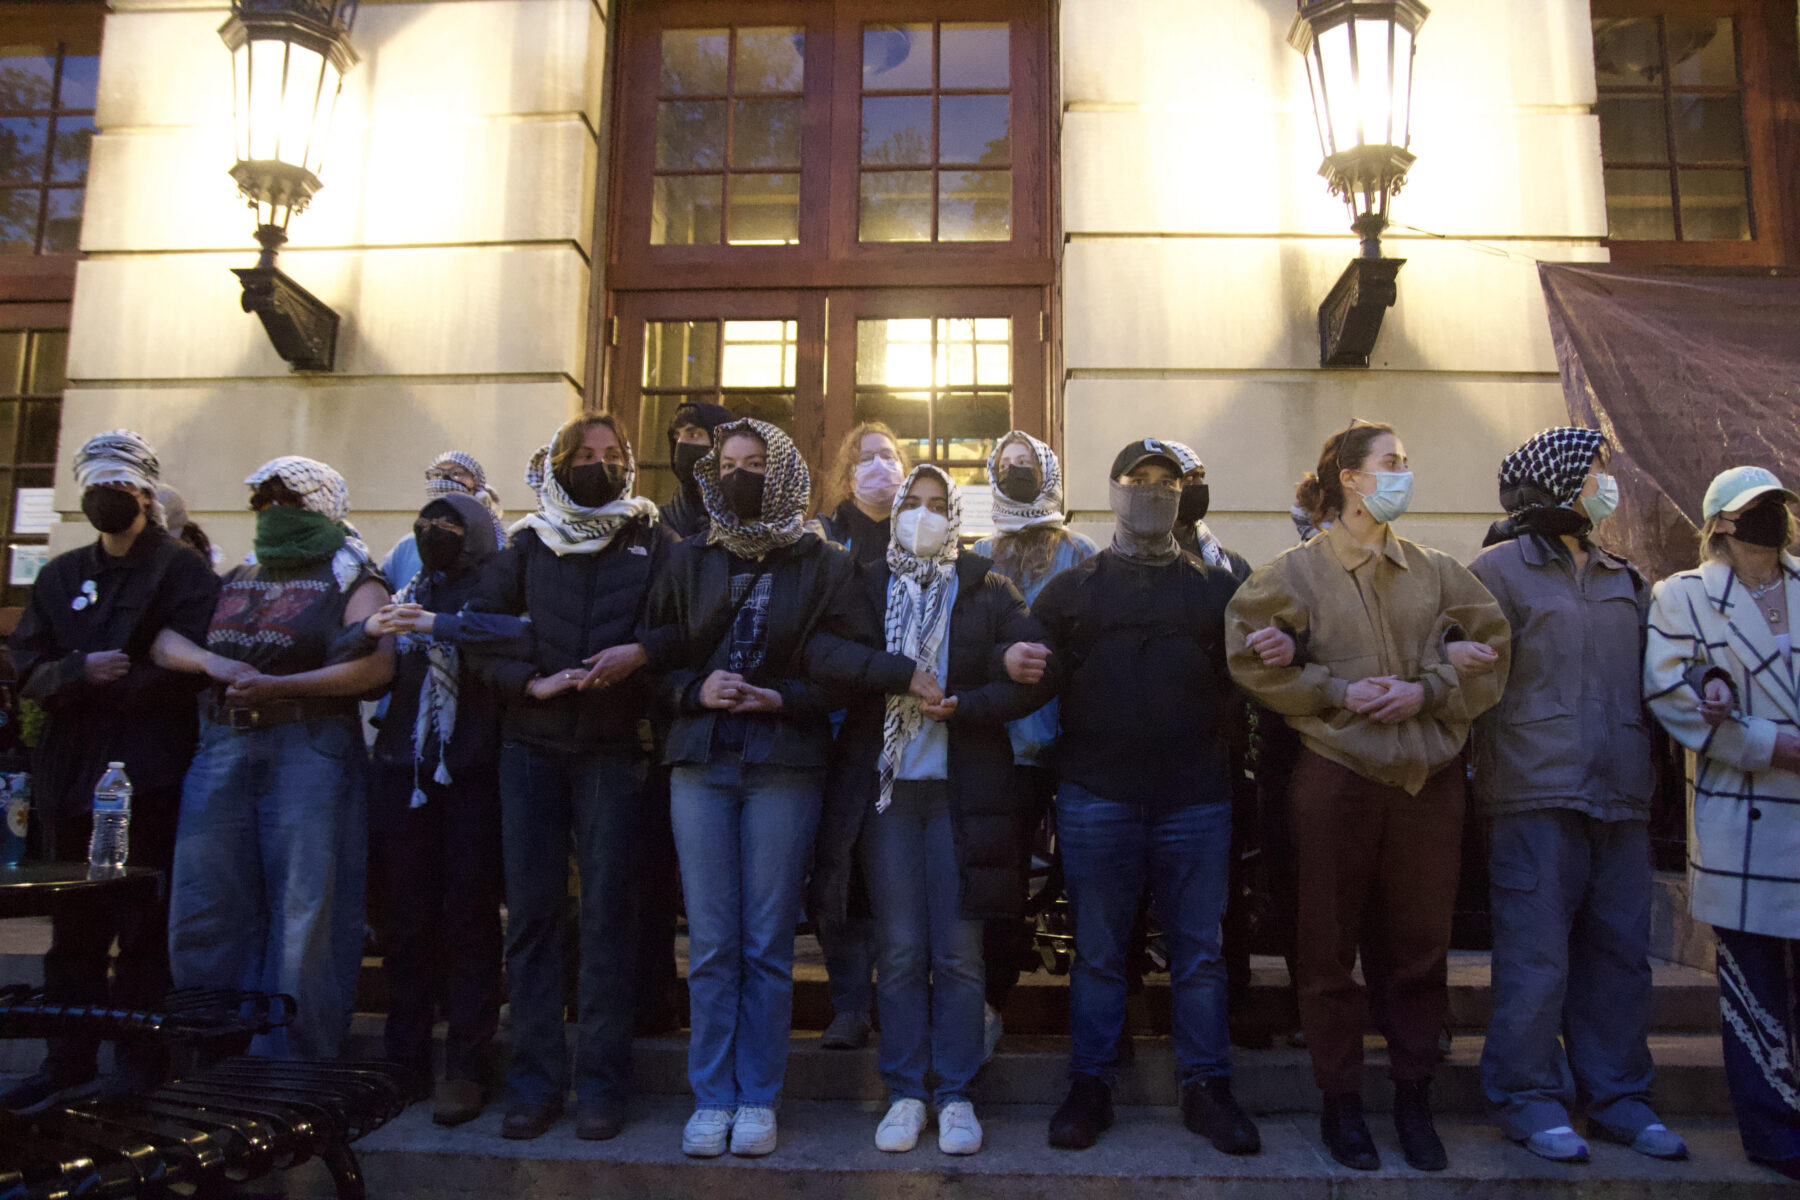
[
  {"x": 438, "y": 548},
  {"x": 742, "y": 492},
  {"x": 593, "y": 485},
  {"x": 1019, "y": 484},
  {"x": 1196, "y": 498},
  {"x": 687, "y": 455},
  {"x": 1764, "y": 524},
  {"x": 110, "y": 510}
]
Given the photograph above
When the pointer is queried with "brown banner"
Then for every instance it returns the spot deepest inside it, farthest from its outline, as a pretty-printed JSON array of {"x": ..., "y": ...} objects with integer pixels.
[{"x": 1686, "y": 374}]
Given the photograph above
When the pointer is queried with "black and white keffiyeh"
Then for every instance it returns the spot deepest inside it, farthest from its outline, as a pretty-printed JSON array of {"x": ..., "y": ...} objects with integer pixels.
[
  {"x": 439, "y": 482},
  {"x": 1212, "y": 551},
  {"x": 919, "y": 596},
  {"x": 564, "y": 526},
  {"x": 437, "y": 699},
  {"x": 1047, "y": 508},
  {"x": 120, "y": 456},
  {"x": 787, "y": 493},
  {"x": 322, "y": 490},
  {"x": 1556, "y": 463},
  {"x": 1540, "y": 481}
]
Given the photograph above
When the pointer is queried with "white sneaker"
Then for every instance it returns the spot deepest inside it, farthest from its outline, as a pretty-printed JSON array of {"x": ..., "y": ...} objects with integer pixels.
[
  {"x": 707, "y": 1133},
  {"x": 753, "y": 1134},
  {"x": 899, "y": 1130},
  {"x": 958, "y": 1130}
]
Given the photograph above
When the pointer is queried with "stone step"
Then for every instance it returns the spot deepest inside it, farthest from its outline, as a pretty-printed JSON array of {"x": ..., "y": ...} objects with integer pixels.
[
  {"x": 1686, "y": 1000},
  {"x": 827, "y": 1151},
  {"x": 1033, "y": 1069}
]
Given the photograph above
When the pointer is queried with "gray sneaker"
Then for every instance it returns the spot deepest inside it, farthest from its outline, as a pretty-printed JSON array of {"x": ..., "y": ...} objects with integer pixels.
[
  {"x": 1561, "y": 1144},
  {"x": 1655, "y": 1141},
  {"x": 847, "y": 1031}
]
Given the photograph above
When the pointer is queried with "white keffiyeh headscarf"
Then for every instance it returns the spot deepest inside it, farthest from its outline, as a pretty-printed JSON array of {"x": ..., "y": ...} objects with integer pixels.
[
  {"x": 787, "y": 493},
  {"x": 564, "y": 526},
  {"x": 322, "y": 490},
  {"x": 918, "y": 618},
  {"x": 1212, "y": 552},
  {"x": 1047, "y": 509},
  {"x": 120, "y": 456}
]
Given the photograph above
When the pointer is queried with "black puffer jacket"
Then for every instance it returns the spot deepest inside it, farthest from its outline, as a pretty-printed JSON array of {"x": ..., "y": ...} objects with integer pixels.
[
  {"x": 989, "y": 808},
  {"x": 578, "y": 605},
  {"x": 809, "y": 658},
  {"x": 850, "y": 527}
]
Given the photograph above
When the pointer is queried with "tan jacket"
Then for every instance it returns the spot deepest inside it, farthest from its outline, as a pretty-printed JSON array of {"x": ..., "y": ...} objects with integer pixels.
[
  {"x": 1359, "y": 614},
  {"x": 1744, "y": 815}
]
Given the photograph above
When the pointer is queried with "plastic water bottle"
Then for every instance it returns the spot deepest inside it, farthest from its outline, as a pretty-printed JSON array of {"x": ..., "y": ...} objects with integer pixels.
[{"x": 110, "y": 844}]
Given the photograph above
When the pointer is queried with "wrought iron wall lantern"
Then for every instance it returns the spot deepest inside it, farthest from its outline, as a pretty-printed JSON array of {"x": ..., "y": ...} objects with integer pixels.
[
  {"x": 288, "y": 59},
  {"x": 1359, "y": 62}
]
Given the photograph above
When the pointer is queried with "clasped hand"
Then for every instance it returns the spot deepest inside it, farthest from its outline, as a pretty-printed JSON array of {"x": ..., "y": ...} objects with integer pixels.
[
  {"x": 731, "y": 692},
  {"x": 399, "y": 618},
  {"x": 1386, "y": 699}
]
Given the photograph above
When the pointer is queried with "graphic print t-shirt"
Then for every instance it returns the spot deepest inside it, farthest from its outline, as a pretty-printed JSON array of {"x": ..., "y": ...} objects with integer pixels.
[{"x": 280, "y": 622}]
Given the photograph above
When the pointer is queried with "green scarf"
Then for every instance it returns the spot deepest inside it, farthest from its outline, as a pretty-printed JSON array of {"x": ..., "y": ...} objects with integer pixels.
[{"x": 296, "y": 537}]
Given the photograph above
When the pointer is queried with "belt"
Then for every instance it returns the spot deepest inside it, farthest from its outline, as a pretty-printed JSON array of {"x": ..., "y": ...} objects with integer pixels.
[{"x": 246, "y": 719}]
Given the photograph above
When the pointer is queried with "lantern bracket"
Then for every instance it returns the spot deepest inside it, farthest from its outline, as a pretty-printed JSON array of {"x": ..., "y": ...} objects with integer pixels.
[
  {"x": 302, "y": 327},
  {"x": 1350, "y": 319}
]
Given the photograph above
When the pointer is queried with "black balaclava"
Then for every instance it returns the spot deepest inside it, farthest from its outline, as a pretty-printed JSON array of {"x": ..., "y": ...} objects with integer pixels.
[
  {"x": 110, "y": 509},
  {"x": 475, "y": 546},
  {"x": 708, "y": 417}
]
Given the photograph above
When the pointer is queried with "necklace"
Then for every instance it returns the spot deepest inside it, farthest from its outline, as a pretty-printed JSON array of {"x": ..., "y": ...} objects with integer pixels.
[{"x": 1772, "y": 611}]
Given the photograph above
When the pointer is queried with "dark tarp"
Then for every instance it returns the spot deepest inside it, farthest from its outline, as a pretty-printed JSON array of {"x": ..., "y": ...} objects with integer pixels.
[{"x": 1686, "y": 374}]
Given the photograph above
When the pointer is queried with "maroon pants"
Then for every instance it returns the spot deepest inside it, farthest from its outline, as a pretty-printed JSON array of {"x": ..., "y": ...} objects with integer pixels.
[{"x": 1377, "y": 870}]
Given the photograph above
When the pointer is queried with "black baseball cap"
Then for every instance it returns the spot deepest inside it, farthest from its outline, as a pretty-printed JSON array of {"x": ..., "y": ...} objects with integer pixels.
[{"x": 1137, "y": 452}]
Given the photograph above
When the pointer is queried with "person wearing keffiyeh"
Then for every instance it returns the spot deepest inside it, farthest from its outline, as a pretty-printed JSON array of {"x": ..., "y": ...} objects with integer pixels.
[
  {"x": 1564, "y": 767},
  {"x": 283, "y": 742},
  {"x": 451, "y": 473},
  {"x": 82, "y": 653},
  {"x": 925, "y": 797},
  {"x": 434, "y": 812},
  {"x": 757, "y": 608},
  {"x": 572, "y": 766}
]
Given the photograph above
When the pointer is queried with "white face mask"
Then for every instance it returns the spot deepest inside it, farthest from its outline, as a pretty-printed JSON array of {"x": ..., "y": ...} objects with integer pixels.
[
  {"x": 1604, "y": 501},
  {"x": 1391, "y": 497},
  {"x": 877, "y": 480},
  {"x": 921, "y": 532}
]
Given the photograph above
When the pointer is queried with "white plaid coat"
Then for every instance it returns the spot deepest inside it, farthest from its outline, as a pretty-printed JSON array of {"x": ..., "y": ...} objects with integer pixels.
[{"x": 1743, "y": 814}]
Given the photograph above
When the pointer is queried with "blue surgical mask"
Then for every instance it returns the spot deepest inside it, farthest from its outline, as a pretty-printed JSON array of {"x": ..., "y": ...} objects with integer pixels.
[
  {"x": 1605, "y": 500},
  {"x": 1391, "y": 497}
]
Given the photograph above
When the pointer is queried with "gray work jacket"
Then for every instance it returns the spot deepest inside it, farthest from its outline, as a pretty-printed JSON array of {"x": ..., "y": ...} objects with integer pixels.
[{"x": 1570, "y": 730}]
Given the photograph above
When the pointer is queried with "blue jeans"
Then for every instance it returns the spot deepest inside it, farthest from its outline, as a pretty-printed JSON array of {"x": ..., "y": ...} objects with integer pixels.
[
  {"x": 930, "y": 979},
  {"x": 849, "y": 949},
  {"x": 267, "y": 893},
  {"x": 551, "y": 800},
  {"x": 1571, "y": 911},
  {"x": 744, "y": 835},
  {"x": 1110, "y": 852}
]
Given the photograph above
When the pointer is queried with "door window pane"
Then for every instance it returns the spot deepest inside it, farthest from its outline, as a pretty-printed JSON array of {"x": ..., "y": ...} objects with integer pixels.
[
  {"x": 944, "y": 384},
  {"x": 960, "y": 118},
  {"x": 681, "y": 354},
  {"x": 756, "y": 142},
  {"x": 32, "y": 370},
  {"x": 44, "y": 141},
  {"x": 1670, "y": 92},
  {"x": 759, "y": 354}
]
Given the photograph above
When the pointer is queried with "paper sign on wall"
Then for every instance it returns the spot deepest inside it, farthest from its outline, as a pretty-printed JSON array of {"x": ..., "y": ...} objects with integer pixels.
[
  {"x": 27, "y": 561},
  {"x": 34, "y": 510}
]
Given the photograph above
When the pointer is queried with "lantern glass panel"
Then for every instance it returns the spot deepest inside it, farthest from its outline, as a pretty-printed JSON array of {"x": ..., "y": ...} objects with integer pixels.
[
  {"x": 240, "y": 101},
  {"x": 1373, "y": 94},
  {"x": 268, "y": 67},
  {"x": 1339, "y": 73},
  {"x": 301, "y": 97},
  {"x": 1403, "y": 65}
]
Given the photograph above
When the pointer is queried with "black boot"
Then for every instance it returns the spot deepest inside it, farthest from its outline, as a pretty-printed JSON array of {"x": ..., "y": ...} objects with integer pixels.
[
  {"x": 1084, "y": 1116},
  {"x": 1209, "y": 1109},
  {"x": 1419, "y": 1140},
  {"x": 1346, "y": 1134}
]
